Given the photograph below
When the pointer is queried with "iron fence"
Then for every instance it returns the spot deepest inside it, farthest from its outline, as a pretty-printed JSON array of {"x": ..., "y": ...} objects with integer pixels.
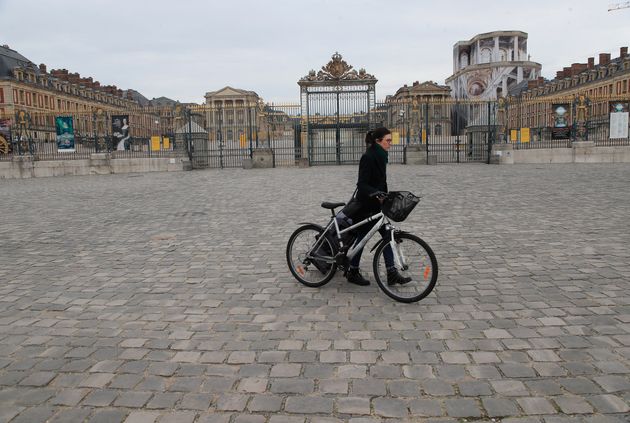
[
  {"x": 536, "y": 123},
  {"x": 452, "y": 131}
]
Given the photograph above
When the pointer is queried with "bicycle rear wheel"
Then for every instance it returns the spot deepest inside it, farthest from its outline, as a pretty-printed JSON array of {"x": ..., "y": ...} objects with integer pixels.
[
  {"x": 311, "y": 268},
  {"x": 417, "y": 261}
]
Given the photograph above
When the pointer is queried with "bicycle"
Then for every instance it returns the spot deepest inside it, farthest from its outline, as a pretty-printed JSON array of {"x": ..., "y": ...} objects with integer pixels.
[{"x": 314, "y": 253}]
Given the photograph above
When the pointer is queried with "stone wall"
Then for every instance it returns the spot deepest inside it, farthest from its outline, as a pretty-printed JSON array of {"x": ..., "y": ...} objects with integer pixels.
[
  {"x": 579, "y": 152},
  {"x": 97, "y": 164}
]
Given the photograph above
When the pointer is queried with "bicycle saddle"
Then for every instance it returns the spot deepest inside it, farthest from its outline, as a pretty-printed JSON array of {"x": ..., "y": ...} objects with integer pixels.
[{"x": 331, "y": 206}]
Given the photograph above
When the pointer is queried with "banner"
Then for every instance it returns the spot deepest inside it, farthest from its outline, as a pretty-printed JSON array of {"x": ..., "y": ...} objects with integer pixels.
[
  {"x": 120, "y": 131},
  {"x": 561, "y": 129},
  {"x": 395, "y": 138},
  {"x": 65, "y": 133},
  {"x": 525, "y": 137},
  {"x": 619, "y": 112},
  {"x": 155, "y": 143}
]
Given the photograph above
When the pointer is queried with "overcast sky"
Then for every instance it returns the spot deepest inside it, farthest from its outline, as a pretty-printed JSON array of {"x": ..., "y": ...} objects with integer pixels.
[{"x": 182, "y": 49}]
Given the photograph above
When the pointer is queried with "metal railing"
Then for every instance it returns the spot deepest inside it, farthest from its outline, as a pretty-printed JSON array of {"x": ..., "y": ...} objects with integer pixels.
[{"x": 453, "y": 131}]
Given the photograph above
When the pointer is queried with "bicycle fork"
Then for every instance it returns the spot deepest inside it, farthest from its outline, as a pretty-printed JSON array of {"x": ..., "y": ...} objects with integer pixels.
[{"x": 397, "y": 252}]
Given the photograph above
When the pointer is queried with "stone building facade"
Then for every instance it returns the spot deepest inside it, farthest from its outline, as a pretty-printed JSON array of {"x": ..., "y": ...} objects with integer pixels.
[
  {"x": 420, "y": 110},
  {"x": 491, "y": 65},
  {"x": 595, "y": 84},
  {"x": 41, "y": 95},
  {"x": 230, "y": 113}
]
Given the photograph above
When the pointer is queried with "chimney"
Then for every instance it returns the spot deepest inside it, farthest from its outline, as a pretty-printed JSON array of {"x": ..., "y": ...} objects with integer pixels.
[
  {"x": 577, "y": 68},
  {"x": 559, "y": 74},
  {"x": 604, "y": 58},
  {"x": 623, "y": 52},
  {"x": 532, "y": 84},
  {"x": 42, "y": 68},
  {"x": 591, "y": 62},
  {"x": 567, "y": 72},
  {"x": 541, "y": 80}
]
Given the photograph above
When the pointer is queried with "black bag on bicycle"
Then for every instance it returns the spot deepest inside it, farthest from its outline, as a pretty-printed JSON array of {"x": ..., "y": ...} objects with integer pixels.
[
  {"x": 353, "y": 207},
  {"x": 398, "y": 205}
]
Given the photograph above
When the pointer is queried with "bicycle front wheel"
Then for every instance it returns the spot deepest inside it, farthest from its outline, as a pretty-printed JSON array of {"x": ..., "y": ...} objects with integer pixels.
[
  {"x": 313, "y": 267},
  {"x": 413, "y": 259}
]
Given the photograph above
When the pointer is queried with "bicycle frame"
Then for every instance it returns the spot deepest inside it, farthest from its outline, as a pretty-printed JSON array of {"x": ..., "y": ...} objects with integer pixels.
[{"x": 398, "y": 258}]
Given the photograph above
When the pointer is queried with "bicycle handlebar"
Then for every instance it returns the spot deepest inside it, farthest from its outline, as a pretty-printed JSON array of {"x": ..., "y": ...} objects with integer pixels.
[{"x": 378, "y": 194}]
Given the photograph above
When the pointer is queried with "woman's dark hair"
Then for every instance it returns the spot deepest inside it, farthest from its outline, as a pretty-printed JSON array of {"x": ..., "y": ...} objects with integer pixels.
[{"x": 374, "y": 135}]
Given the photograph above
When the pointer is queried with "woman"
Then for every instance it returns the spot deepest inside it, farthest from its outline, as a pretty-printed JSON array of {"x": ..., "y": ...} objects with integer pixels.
[
  {"x": 373, "y": 179},
  {"x": 123, "y": 135}
]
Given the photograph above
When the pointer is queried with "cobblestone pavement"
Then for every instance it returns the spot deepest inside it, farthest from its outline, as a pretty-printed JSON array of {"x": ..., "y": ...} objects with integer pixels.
[{"x": 166, "y": 298}]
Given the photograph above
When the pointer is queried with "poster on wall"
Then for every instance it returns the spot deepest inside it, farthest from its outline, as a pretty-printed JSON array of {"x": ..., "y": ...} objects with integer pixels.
[
  {"x": 120, "y": 132},
  {"x": 65, "y": 134},
  {"x": 561, "y": 129},
  {"x": 619, "y": 111}
]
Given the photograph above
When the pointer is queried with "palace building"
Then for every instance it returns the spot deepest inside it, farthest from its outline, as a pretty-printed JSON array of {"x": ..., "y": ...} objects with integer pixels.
[
  {"x": 41, "y": 95},
  {"x": 491, "y": 65},
  {"x": 419, "y": 110},
  {"x": 596, "y": 84}
]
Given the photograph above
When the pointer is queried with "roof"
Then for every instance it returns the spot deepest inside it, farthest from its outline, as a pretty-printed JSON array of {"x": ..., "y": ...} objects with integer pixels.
[
  {"x": 195, "y": 128},
  {"x": 162, "y": 101},
  {"x": 136, "y": 96},
  {"x": 517, "y": 89},
  {"x": 230, "y": 91},
  {"x": 10, "y": 59}
]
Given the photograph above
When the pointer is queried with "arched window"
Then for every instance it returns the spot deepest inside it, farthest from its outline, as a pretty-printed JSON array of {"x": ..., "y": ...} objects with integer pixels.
[
  {"x": 463, "y": 60},
  {"x": 486, "y": 55}
]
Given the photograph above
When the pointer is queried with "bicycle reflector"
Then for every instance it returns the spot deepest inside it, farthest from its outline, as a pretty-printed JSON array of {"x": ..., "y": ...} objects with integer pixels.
[{"x": 427, "y": 271}]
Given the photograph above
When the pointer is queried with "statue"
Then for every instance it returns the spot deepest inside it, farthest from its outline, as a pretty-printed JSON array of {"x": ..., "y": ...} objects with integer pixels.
[{"x": 582, "y": 110}]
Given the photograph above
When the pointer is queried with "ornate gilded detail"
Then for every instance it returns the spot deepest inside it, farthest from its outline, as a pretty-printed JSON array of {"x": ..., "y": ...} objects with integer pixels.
[
  {"x": 23, "y": 126},
  {"x": 337, "y": 70},
  {"x": 179, "y": 113},
  {"x": 100, "y": 129},
  {"x": 580, "y": 107},
  {"x": 4, "y": 145}
]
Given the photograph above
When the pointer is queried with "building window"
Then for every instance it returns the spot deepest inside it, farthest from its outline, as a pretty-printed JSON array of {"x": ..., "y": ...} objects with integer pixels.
[
  {"x": 2, "y": 95},
  {"x": 438, "y": 129},
  {"x": 486, "y": 55}
]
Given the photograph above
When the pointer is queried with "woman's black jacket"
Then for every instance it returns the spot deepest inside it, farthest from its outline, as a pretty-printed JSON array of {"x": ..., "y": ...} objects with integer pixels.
[{"x": 372, "y": 178}]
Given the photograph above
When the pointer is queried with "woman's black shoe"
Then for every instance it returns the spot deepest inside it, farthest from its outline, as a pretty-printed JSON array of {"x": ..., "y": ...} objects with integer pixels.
[
  {"x": 394, "y": 278},
  {"x": 355, "y": 277}
]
